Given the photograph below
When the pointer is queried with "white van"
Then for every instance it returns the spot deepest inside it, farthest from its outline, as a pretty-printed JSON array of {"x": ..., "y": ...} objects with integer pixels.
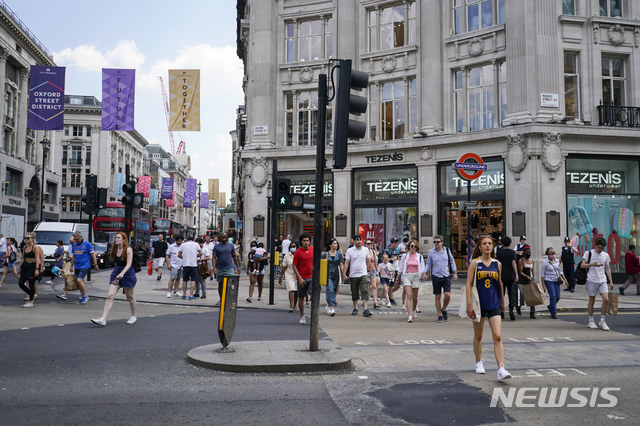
[{"x": 48, "y": 234}]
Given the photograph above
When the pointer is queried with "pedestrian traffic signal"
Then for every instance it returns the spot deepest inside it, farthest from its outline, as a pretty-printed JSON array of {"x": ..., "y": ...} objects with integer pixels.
[
  {"x": 297, "y": 202},
  {"x": 88, "y": 201},
  {"x": 131, "y": 198},
  {"x": 283, "y": 194},
  {"x": 346, "y": 104},
  {"x": 101, "y": 201}
]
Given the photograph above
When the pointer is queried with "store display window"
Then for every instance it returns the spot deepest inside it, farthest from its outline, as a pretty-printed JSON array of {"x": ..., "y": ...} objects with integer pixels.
[{"x": 603, "y": 199}]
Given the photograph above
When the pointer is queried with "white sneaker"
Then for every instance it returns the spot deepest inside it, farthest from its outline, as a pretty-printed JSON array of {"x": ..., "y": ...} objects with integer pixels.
[
  {"x": 404, "y": 308},
  {"x": 28, "y": 305},
  {"x": 327, "y": 308},
  {"x": 603, "y": 325},
  {"x": 389, "y": 305},
  {"x": 332, "y": 312},
  {"x": 480, "y": 367},
  {"x": 503, "y": 374},
  {"x": 410, "y": 319},
  {"x": 302, "y": 321},
  {"x": 99, "y": 321},
  {"x": 592, "y": 324},
  {"x": 169, "y": 295},
  {"x": 49, "y": 282},
  {"x": 178, "y": 294},
  {"x": 132, "y": 320}
]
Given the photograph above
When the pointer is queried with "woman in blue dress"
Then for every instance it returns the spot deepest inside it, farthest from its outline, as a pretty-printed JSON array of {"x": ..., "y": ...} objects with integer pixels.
[
  {"x": 123, "y": 276},
  {"x": 487, "y": 272}
]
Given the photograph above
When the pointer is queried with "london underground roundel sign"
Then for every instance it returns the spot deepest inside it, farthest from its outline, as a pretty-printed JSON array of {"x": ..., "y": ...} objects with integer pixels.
[{"x": 469, "y": 166}]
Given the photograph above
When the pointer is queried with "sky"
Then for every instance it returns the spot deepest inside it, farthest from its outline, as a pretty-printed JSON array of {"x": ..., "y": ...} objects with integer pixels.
[{"x": 151, "y": 37}]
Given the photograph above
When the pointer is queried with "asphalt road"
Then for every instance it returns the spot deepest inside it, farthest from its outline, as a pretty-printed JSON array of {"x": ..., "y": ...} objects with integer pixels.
[{"x": 57, "y": 368}]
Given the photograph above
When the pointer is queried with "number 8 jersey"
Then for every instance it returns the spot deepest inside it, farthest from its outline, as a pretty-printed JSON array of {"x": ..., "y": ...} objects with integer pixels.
[{"x": 488, "y": 282}]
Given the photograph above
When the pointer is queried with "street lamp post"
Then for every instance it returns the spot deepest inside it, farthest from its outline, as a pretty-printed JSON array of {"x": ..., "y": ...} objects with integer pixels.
[
  {"x": 46, "y": 144},
  {"x": 198, "y": 205}
]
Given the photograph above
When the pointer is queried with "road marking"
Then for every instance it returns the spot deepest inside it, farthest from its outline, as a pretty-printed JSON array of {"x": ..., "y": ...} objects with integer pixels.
[
  {"x": 541, "y": 339},
  {"x": 420, "y": 342},
  {"x": 551, "y": 372},
  {"x": 24, "y": 328},
  {"x": 363, "y": 343}
]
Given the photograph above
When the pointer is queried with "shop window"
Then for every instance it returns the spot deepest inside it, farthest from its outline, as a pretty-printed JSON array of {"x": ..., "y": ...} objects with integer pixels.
[
  {"x": 303, "y": 131},
  {"x": 571, "y": 85},
  {"x": 611, "y": 8},
  {"x": 568, "y": 7},
  {"x": 475, "y": 94},
  {"x": 603, "y": 199},
  {"x": 309, "y": 40},
  {"x": 392, "y": 26},
  {"x": 613, "y": 80},
  {"x": 386, "y": 184},
  {"x": 473, "y": 15},
  {"x": 380, "y": 224}
]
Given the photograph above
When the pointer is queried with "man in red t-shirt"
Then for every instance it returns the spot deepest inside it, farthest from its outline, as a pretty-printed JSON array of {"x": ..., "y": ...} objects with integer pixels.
[
  {"x": 303, "y": 268},
  {"x": 632, "y": 268}
]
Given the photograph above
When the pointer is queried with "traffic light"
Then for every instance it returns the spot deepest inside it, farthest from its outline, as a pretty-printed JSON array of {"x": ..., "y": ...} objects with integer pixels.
[
  {"x": 283, "y": 193},
  {"x": 297, "y": 202},
  {"x": 89, "y": 196},
  {"x": 101, "y": 201},
  {"x": 131, "y": 198},
  {"x": 346, "y": 104}
]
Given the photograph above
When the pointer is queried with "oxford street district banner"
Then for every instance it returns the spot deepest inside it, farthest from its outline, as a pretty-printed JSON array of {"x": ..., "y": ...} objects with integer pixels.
[
  {"x": 46, "y": 98},
  {"x": 184, "y": 92},
  {"x": 118, "y": 99}
]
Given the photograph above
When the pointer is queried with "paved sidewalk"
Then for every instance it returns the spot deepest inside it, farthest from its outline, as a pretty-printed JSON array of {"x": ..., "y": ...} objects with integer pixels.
[{"x": 150, "y": 290}]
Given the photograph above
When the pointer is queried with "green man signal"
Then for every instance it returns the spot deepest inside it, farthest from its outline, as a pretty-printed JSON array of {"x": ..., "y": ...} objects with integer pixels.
[{"x": 283, "y": 193}]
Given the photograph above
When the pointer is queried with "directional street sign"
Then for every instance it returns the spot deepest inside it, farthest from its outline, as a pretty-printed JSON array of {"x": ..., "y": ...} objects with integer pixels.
[{"x": 468, "y": 206}]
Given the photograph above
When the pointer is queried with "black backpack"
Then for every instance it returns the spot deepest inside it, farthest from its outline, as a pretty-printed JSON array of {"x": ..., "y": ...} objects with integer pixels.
[{"x": 580, "y": 274}]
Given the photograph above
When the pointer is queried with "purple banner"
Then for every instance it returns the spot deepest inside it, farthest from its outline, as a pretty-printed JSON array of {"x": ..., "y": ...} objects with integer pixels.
[
  {"x": 118, "y": 99},
  {"x": 187, "y": 203},
  {"x": 191, "y": 189},
  {"x": 46, "y": 98},
  {"x": 166, "y": 192},
  {"x": 204, "y": 200}
]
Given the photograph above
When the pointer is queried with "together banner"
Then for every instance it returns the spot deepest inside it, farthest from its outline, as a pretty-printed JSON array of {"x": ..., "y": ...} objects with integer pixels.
[
  {"x": 144, "y": 185},
  {"x": 184, "y": 92},
  {"x": 171, "y": 202},
  {"x": 191, "y": 189},
  {"x": 153, "y": 197},
  {"x": 46, "y": 98},
  {"x": 204, "y": 200},
  {"x": 118, "y": 99},
  {"x": 121, "y": 179}
]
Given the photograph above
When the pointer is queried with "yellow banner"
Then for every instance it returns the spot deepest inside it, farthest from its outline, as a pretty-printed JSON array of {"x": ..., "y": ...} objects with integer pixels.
[
  {"x": 214, "y": 188},
  {"x": 184, "y": 90}
]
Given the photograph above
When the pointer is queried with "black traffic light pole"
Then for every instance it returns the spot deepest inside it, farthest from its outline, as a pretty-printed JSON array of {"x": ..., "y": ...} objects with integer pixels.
[{"x": 272, "y": 222}]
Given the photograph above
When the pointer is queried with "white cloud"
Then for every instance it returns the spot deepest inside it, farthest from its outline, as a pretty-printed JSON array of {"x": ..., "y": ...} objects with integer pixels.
[{"x": 220, "y": 89}]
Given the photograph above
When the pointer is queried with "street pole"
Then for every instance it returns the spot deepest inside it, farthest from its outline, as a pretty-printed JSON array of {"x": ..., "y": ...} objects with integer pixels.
[
  {"x": 198, "y": 206},
  {"x": 317, "y": 217},
  {"x": 469, "y": 249},
  {"x": 272, "y": 225},
  {"x": 45, "y": 147}
]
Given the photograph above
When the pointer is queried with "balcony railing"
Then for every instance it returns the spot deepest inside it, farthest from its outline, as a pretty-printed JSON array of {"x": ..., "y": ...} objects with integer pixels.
[{"x": 623, "y": 116}]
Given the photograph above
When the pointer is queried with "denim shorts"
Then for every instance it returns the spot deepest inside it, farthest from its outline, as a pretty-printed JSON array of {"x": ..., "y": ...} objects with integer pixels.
[{"x": 81, "y": 273}]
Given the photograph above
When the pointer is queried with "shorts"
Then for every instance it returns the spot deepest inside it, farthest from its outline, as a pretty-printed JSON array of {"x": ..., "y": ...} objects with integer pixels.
[
  {"x": 175, "y": 273},
  {"x": 222, "y": 273},
  {"x": 81, "y": 273},
  {"x": 411, "y": 279},
  {"x": 374, "y": 274},
  {"x": 440, "y": 284},
  {"x": 305, "y": 289},
  {"x": 489, "y": 312},
  {"x": 257, "y": 256},
  {"x": 11, "y": 265},
  {"x": 384, "y": 281},
  {"x": 594, "y": 288},
  {"x": 189, "y": 273},
  {"x": 158, "y": 262},
  {"x": 359, "y": 287}
]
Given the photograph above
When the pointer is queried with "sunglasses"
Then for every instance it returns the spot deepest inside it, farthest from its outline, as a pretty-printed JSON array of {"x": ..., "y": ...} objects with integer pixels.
[
  {"x": 437, "y": 242},
  {"x": 413, "y": 246},
  {"x": 367, "y": 244},
  {"x": 27, "y": 238}
]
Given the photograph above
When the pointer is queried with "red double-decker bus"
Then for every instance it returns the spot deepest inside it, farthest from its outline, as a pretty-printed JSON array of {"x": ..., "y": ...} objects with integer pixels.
[
  {"x": 167, "y": 227},
  {"x": 110, "y": 220}
]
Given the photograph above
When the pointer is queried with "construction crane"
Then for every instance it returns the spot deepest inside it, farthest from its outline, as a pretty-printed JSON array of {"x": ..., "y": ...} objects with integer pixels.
[{"x": 167, "y": 113}]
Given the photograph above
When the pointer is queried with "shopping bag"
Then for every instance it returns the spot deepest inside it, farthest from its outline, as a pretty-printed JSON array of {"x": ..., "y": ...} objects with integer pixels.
[
  {"x": 533, "y": 294},
  {"x": 613, "y": 304},
  {"x": 475, "y": 301},
  {"x": 150, "y": 267},
  {"x": 70, "y": 282}
]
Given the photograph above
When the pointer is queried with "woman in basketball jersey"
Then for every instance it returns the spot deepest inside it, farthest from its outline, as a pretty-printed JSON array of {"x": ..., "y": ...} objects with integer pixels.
[{"x": 487, "y": 271}]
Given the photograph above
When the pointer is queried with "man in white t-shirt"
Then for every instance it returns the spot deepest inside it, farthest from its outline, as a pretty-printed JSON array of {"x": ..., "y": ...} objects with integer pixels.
[
  {"x": 285, "y": 244},
  {"x": 209, "y": 244},
  {"x": 597, "y": 262},
  {"x": 174, "y": 263},
  {"x": 3, "y": 246},
  {"x": 359, "y": 271},
  {"x": 189, "y": 253},
  {"x": 204, "y": 256}
]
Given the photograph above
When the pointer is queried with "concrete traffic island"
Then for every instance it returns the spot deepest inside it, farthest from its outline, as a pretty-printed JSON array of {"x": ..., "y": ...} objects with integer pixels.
[{"x": 288, "y": 356}]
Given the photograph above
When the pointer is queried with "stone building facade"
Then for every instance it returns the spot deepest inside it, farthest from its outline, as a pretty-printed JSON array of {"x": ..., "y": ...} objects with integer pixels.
[{"x": 546, "y": 92}]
